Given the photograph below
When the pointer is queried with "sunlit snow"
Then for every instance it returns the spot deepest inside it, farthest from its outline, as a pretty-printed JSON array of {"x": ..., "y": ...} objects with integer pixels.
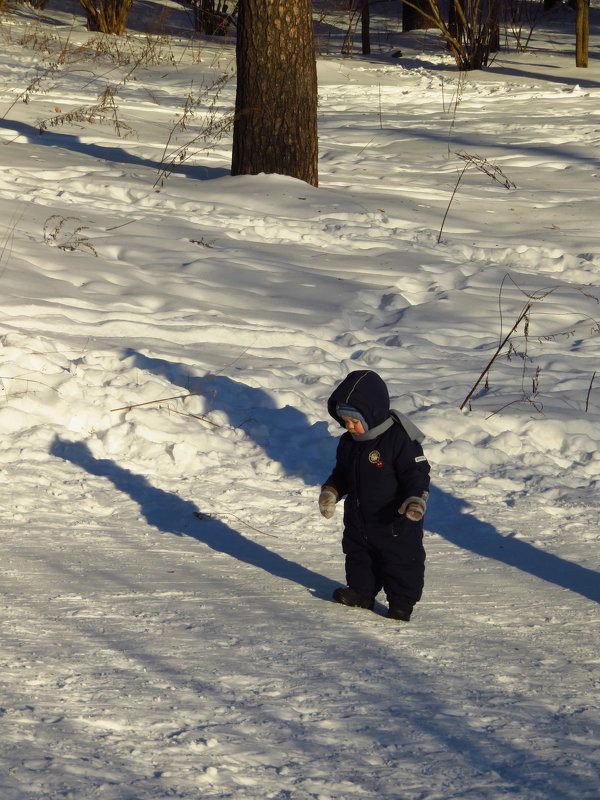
[{"x": 167, "y": 352}]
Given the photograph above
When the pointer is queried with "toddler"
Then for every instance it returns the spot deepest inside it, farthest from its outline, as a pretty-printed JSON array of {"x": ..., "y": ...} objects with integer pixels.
[{"x": 381, "y": 471}]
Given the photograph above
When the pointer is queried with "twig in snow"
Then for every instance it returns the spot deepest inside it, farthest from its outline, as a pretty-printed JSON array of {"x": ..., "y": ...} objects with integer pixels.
[
  {"x": 521, "y": 316},
  {"x": 587, "y": 399},
  {"x": 213, "y": 127},
  {"x": 199, "y": 515},
  {"x": 26, "y": 380},
  {"x": 456, "y": 185},
  {"x": 64, "y": 233},
  {"x": 493, "y": 171},
  {"x": 194, "y": 416},
  {"x": 122, "y": 225},
  {"x": 213, "y": 392},
  {"x": 7, "y": 240}
]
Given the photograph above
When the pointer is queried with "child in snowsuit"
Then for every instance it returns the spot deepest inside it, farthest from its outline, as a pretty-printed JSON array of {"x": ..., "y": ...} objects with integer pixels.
[{"x": 381, "y": 470}]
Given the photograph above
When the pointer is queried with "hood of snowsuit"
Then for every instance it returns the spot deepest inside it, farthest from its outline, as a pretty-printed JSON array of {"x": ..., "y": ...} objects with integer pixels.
[{"x": 365, "y": 391}]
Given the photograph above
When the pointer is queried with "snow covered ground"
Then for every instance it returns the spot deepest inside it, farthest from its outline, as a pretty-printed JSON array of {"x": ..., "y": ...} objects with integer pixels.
[{"x": 150, "y": 654}]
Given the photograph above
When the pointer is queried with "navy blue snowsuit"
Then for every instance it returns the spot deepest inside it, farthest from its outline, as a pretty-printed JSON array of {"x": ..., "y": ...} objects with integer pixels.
[{"x": 376, "y": 471}]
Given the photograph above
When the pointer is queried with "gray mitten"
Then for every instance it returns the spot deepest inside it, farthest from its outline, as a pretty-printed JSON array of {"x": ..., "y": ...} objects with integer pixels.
[
  {"x": 327, "y": 501},
  {"x": 414, "y": 508}
]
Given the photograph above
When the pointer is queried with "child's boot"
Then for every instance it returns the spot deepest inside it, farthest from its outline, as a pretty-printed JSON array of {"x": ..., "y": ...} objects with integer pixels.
[
  {"x": 400, "y": 610},
  {"x": 349, "y": 597}
]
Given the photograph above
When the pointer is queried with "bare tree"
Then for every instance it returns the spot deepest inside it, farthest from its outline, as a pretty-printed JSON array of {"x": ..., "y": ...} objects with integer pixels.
[
  {"x": 107, "y": 16},
  {"x": 275, "y": 126},
  {"x": 471, "y": 32}
]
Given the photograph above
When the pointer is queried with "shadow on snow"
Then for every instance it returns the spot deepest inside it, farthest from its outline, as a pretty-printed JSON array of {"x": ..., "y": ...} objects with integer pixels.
[
  {"x": 446, "y": 516},
  {"x": 116, "y": 155},
  {"x": 510, "y": 765},
  {"x": 285, "y": 434},
  {"x": 170, "y": 514}
]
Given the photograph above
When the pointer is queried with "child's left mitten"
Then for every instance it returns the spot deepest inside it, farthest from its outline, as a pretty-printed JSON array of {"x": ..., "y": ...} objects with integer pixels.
[{"x": 327, "y": 501}]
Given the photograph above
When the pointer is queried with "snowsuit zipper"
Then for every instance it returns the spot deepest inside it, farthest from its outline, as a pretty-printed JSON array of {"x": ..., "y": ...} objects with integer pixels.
[{"x": 357, "y": 482}]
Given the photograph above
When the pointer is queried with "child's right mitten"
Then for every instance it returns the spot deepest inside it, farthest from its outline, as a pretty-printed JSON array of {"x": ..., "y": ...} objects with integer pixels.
[{"x": 414, "y": 508}]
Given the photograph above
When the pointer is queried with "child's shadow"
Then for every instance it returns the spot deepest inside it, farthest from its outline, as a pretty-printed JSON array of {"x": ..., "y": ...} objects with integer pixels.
[
  {"x": 446, "y": 516},
  {"x": 171, "y": 514}
]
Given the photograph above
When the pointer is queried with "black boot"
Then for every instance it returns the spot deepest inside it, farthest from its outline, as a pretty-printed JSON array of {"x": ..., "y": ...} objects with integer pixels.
[
  {"x": 348, "y": 597},
  {"x": 400, "y": 610}
]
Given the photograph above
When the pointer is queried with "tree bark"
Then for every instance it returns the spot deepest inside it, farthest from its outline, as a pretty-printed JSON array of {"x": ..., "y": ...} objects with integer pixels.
[
  {"x": 275, "y": 126},
  {"x": 582, "y": 33}
]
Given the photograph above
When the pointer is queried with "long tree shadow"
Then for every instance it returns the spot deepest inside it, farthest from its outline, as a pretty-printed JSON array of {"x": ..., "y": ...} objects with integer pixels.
[
  {"x": 285, "y": 434},
  {"x": 117, "y": 155},
  {"x": 170, "y": 514},
  {"x": 446, "y": 516}
]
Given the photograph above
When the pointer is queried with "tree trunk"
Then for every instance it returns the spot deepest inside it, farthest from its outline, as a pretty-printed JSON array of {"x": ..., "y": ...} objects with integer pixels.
[
  {"x": 275, "y": 126},
  {"x": 493, "y": 23},
  {"x": 583, "y": 33},
  {"x": 365, "y": 18},
  {"x": 413, "y": 19}
]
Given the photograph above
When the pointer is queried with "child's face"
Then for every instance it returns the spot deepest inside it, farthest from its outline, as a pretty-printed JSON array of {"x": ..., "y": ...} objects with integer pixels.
[{"x": 353, "y": 425}]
